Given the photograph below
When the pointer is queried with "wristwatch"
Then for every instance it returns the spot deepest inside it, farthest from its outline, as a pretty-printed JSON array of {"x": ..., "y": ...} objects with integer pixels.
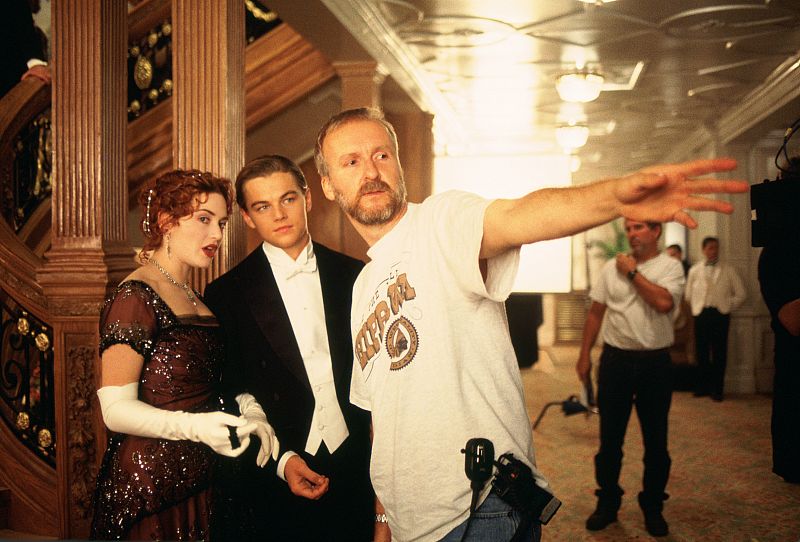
[
  {"x": 632, "y": 274},
  {"x": 381, "y": 518}
]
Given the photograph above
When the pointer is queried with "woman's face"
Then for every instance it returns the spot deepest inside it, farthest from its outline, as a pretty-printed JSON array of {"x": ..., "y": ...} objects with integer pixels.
[{"x": 195, "y": 239}]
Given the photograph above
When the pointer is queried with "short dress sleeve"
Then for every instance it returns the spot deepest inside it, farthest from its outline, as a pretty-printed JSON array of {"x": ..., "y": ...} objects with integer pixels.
[{"x": 129, "y": 317}]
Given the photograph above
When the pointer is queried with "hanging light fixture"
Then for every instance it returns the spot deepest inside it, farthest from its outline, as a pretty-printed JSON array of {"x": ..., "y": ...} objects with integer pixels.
[
  {"x": 579, "y": 86},
  {"x": 572, "y": 136}
]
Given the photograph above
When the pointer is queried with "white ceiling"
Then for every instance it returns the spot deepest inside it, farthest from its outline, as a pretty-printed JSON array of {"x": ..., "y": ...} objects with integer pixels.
[{"x": 487, "y": 69}]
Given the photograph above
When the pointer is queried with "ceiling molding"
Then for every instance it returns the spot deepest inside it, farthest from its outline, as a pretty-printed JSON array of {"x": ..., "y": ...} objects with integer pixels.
[
  {"x": 380, "y": 40},
  {"x": 780, "y": 89}
]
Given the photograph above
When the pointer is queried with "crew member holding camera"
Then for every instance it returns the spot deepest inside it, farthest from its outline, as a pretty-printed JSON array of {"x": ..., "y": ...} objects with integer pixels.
[
  {"x": 779, "y": 276},
  {"x": 638, "y": 293}
]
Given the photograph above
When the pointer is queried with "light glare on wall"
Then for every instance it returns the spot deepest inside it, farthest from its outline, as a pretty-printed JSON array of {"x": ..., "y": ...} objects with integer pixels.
[
  {"x": 545, "y": 266},
  {"x": 572, "y": 136}
]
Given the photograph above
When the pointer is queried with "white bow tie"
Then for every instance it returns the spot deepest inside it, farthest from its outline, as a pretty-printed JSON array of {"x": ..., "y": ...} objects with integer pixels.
[{"x": 309, "y": 267}]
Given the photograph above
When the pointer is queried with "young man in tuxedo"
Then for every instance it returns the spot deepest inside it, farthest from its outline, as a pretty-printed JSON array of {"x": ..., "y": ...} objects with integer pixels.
[{"x": 284, "y": 312}]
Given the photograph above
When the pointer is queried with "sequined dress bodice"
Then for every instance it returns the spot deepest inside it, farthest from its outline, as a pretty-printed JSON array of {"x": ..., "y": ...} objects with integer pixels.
[{"x": 142, "y": 479}]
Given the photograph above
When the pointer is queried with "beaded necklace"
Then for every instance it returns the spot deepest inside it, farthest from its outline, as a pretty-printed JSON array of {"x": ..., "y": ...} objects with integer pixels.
[{"x": 183, "y": 286}]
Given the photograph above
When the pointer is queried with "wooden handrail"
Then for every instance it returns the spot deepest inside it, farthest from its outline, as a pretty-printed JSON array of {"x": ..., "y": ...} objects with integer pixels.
[{"x": 18, "y": 263}]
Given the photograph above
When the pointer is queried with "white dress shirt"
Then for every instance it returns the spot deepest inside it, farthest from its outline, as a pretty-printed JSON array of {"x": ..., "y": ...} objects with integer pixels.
[
  {"x": 717, "y": 286},
  {"x": 300, "y": 289}
]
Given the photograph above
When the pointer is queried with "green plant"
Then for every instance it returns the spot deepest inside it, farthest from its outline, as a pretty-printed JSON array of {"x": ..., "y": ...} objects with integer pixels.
[{"x": 619, "y": 245}]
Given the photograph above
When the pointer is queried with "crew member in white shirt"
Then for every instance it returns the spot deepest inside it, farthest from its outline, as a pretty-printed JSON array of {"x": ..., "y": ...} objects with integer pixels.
[
  {"x": 434, "y": 362},
  {"x": 638, "y": 294}
]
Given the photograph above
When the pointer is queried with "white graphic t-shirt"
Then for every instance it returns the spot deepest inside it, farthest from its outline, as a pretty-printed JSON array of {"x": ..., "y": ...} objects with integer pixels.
[{"x": 434, "y": 362}]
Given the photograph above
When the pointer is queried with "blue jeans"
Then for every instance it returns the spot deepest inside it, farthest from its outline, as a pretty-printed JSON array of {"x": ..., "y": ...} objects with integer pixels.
[{"x": 493, "y": 521}]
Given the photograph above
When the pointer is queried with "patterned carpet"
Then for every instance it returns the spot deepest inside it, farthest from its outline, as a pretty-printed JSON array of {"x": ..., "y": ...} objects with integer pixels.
[{"x": 721, "y": 485}]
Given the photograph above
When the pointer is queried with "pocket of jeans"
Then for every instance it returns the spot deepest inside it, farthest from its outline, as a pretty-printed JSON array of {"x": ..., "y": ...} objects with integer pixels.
[{"x": 494, "y": 507}]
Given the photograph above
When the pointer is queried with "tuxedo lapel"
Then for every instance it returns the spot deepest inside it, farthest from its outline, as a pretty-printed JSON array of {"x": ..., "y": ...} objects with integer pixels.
[
  {"x": 337, "y": 316},
  {"x": 266, "y": 305}
]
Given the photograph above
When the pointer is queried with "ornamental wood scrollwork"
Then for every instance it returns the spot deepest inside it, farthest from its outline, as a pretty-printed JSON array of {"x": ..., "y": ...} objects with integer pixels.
[
  {"x": 74, "y": 307},
  {"x": 80, "y": 432}
]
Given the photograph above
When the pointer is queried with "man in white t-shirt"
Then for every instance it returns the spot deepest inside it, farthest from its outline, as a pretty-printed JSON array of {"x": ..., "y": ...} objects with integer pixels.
[
  {"x": 638, "y": 294},
  {"x": 434, "y": 361},
  {"x": 713, "y": 290}
]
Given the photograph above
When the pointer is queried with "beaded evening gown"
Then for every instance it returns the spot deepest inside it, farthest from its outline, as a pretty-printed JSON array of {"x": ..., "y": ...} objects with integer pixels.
[{"x": 148, "y": 488}]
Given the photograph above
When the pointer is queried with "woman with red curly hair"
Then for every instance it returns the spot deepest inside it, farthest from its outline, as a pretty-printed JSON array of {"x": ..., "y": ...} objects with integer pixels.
[{"x": 161, "y": 356}]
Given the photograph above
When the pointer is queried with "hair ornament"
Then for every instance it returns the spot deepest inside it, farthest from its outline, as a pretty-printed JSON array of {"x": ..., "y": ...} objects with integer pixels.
[{"x": 146, "y": 222}]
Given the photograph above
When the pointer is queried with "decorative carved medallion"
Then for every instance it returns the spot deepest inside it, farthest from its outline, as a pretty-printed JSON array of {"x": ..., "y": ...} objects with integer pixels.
[{"x": 23, "y": 420}]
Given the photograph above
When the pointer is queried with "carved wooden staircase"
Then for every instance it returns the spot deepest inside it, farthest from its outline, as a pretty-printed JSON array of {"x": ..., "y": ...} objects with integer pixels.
[{"x": 280, "y": 68}]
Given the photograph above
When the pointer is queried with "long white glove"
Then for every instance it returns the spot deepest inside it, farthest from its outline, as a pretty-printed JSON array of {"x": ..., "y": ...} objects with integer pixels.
[
  {"x": 252, "y": 412},
  {"x": 123, "y": 412}
]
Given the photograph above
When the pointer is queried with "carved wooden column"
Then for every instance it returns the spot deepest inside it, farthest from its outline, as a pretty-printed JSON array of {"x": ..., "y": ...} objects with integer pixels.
[
  {"x": 89, "y": 250},
  {"x": 361, "y": 83},
  {"x": 361, "y": 87},
  {"x": 208, "y": 102}
]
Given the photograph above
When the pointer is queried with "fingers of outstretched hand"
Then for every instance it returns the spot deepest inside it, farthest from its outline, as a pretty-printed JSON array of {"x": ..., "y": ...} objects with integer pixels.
[
  {"x": 694, "y": 168},
  {"x": 717, "y": 186},
  {"x": 706, "y": 204},
  {"x": 684, "y": 218}
]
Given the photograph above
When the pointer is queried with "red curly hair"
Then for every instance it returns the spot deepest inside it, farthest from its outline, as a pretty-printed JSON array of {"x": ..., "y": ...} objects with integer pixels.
[{"x": 176, "y": 194}]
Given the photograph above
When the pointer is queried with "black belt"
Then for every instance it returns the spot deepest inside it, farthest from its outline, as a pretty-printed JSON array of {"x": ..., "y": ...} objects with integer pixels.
[{"x": 636, "y": 353}]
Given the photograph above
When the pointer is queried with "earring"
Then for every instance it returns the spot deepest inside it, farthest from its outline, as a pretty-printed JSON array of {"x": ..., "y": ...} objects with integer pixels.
[{"x": 169, "y": 253}]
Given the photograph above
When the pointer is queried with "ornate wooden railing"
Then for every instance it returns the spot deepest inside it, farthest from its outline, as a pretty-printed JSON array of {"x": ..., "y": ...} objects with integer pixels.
[
  {"x": 27, "y": 403},
  {"x": 25, "y": 166},
  {"x": 27, "y": 433},
  {"x": 150, "y": 50},
  {"x": 26, "y": 353}
]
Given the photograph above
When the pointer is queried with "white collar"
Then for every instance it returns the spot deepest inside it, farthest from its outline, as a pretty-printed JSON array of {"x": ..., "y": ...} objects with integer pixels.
[{"x": 278, "y": 258}]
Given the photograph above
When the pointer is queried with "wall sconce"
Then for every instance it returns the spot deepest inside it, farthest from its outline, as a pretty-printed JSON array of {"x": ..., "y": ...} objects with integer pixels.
[
  {"x": 579, "y": 86},
  {"x": 572, "y": 136}
]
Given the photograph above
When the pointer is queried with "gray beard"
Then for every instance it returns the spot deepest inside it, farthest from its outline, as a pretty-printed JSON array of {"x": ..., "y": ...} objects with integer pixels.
[{"x": 374, "y": 217}]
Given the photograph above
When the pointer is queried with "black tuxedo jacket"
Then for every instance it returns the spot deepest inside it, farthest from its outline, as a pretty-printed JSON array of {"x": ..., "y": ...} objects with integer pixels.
[{"x": 263, "y": 359}]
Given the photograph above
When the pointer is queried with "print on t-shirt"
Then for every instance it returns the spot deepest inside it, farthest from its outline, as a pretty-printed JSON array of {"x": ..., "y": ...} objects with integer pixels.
[{"x": 400, "y": 336}]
